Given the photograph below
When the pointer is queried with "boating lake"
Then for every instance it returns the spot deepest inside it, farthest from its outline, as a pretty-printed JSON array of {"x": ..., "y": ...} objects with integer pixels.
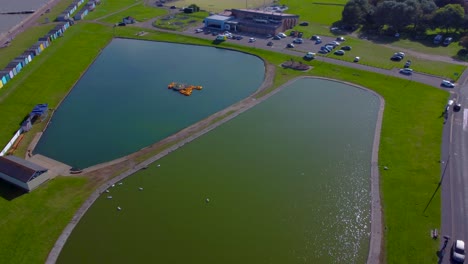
[
  {"x": 122, "y": 102},
  {"x": 286, "y": 182}
]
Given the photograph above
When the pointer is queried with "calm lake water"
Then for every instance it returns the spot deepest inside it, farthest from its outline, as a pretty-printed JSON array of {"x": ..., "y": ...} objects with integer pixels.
[
  {"x": 287, "y": 181},
  {"x": 122, "y": 103}
]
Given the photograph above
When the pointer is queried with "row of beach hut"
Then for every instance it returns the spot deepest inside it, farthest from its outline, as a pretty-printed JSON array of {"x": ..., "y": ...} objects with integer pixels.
[
  {"x": 17, "y": 64},
  {"x": 68, "y": 13}
]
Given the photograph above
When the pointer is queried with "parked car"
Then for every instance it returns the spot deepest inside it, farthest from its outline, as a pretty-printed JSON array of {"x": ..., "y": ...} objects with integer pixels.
[
  {"x": 325, "y": 49},
  {"x": 318, "y": 41},
  {"x": 252, "y": 40},
  {"x": 304, "y": 24},
  {"x": 334, "y": 43},
  {"x": 269, "y": 36},
  {"x": 346, "y": 48},
  {"x": 457, "y": 107},
  {"x": 315, "y": 37},
  {"x": 282, "y": 35},
  {"x": 340, "y": 39},
  {"x": 356, "y": 59},
  {"x": 447, "y": 41},
  {"x": 458, "y": 251},
  {"x": 300, "y": 34},
  {"x": 309, "y": 55},
  {"x": 407, "y": 64},
  {"x": 339, "y": 52},
  {"x": 290, "y": 45},
  {"x": 298, "y": 40},
  {"x": 173, "y": 7},
  {"x": 277, "y": 37},
  {"x": 447, "y": 83},
  {"x": 437, "y": 39},
  {"x": 270, "y": 43},
  {"x": 238, "y": 37},
  {"x": 198, "y": 30},
  {"x": 401, "y": 54},
  {"x": 406, "y": 71},
  {"x": 396, "y": 58}
]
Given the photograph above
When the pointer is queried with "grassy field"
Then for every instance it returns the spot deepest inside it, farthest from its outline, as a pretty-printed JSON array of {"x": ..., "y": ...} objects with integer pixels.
[
  {"x": 140, "y": 12},
  {"x": 180, "y": 21},
  {"x": 379, "y": 56},
  {"x": 108, "y": 7},
  {"x": 220, "y": 5},
  {"x": 410, "y": 146}
]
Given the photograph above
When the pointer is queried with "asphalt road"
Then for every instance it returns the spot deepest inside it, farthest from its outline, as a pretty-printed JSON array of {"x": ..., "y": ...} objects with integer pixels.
[{"x": 455, "y": 178}]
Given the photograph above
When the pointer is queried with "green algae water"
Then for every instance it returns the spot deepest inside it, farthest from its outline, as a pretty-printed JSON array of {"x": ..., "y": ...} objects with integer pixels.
[
  {"x": 286, "y": 182},
  {"x": 122, "y": 103}
]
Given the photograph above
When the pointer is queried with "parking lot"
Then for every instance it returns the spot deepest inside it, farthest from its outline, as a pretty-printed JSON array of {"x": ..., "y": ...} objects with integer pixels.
[{"x": 309, "y": 46}]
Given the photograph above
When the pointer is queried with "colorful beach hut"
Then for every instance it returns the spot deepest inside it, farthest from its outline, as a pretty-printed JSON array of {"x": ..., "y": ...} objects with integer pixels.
[
  {"x": 81, "y": 14},
  {"x": 11, "y": 71},
  {"x": 35, "y": 49},
  {"x": 18, "y": 65},
  {"x": 5, "y": 76},
  {"x": 1, "y": 84}
]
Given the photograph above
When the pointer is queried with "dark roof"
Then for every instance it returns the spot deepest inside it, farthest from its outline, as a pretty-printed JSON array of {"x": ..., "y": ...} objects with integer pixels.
[
  {"x": 39, "y": 109},
  {"x": 18, "y": 168}
]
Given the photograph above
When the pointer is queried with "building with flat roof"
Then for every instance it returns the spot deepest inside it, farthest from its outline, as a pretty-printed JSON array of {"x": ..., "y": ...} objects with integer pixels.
[
  {"x": 22, "y": 173},
  {"x": 217, "y": 22},
  {"x": 252, "y": 21},
  {"x": 263, "y": 22}
]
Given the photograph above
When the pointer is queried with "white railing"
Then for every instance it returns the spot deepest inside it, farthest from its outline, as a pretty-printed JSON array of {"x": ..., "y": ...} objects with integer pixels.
[{"x": 12, "y": 141}]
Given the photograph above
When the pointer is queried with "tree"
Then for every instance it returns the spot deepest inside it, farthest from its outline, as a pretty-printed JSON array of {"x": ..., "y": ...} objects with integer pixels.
[
  {"x": 449, "y": 17},
  {"x": 355, "y": 12},
  {"x": 194, "y": 7},
  {"x": 464, "y": 42},
  {"x": 397, "y": 14},
  {"x": 442, "y": 3}
]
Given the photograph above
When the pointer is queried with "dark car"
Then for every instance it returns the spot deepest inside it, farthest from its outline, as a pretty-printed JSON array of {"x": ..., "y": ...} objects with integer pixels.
[
  {"x": 407, "y": 64},
  {"x": 457, "y": 107},
  {"x": 314, "y": 37},
  {"x": 238, "y": 37},
  {"x": 121, "y": 24},
  {"x": 290, "y": 45},
  {"x": 173, "y": 7},
  {"x": 276, "y": 37},
  {"x": 346, "y": 48},
  {"x": 304, "y": 24},
  {"x": 300, "y": 34},
  {"x": 270, "y": 43},
  {"x": 396, "y": 58},
  {"x": 447, "y": 41}
]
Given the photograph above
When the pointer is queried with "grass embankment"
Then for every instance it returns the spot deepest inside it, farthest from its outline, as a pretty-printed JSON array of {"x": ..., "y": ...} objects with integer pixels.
[
  {"x": 108, "y": 7},
  {"x": 140, "y": 12},
  {"x": 220, "y": 5},
  {"x": 180, "y": 21},
  {"x": 410, "y": 146}
]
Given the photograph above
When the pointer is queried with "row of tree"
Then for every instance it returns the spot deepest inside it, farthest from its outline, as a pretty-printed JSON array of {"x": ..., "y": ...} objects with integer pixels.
[{"x": 400, "y": 14}]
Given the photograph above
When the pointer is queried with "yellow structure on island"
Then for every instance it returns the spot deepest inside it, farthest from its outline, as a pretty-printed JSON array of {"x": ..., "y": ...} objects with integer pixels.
[{"x": 183, "y": 88}]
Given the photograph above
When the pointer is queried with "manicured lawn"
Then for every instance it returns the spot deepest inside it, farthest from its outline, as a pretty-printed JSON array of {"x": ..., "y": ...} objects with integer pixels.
[
  {"x": 108, "y": 7},
  {"x": 180, "y": 21},
  {"x": 140, "y": 12},
  {"x": 31, "y": 223}
]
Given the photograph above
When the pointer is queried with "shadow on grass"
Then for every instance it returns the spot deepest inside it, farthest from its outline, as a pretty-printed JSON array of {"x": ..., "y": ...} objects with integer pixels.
[{"x": 9, "y": 191}]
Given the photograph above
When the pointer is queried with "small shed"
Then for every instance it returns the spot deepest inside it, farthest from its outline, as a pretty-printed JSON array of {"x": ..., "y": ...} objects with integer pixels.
[
  {"x": 27, "y": 57},
  {"x": 24, "y": 61},
  {"x": 45, "y": 41},
  {"x": 16, "y": 65},
  {"x": 81, "y": 14},
  {"x": 11, "y": 71},
  {"x": 5, "y": 77},
  {"x": 78, "y": 2},
  {"x": 128, "y": 20},
  {"x": 91, "y": 5},
  {"x": 22, "y": 173},
  {"x": 63, "y": 16},
  {"x": 34, "y": 49}
]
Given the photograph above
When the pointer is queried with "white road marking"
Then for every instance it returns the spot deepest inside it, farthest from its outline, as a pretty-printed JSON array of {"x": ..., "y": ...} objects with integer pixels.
[{"x": 465, "y": 119}]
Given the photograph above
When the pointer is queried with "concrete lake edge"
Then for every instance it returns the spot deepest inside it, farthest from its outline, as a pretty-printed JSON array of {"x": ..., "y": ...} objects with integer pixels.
[{"x": 375, "y": 247}]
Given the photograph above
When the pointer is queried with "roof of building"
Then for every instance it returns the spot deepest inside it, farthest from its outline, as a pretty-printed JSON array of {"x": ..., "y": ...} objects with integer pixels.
[
  {"x": 219, "y": 17},
  {"x": 18, "y": 168},
  {"x": 264, "y": 12}
]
